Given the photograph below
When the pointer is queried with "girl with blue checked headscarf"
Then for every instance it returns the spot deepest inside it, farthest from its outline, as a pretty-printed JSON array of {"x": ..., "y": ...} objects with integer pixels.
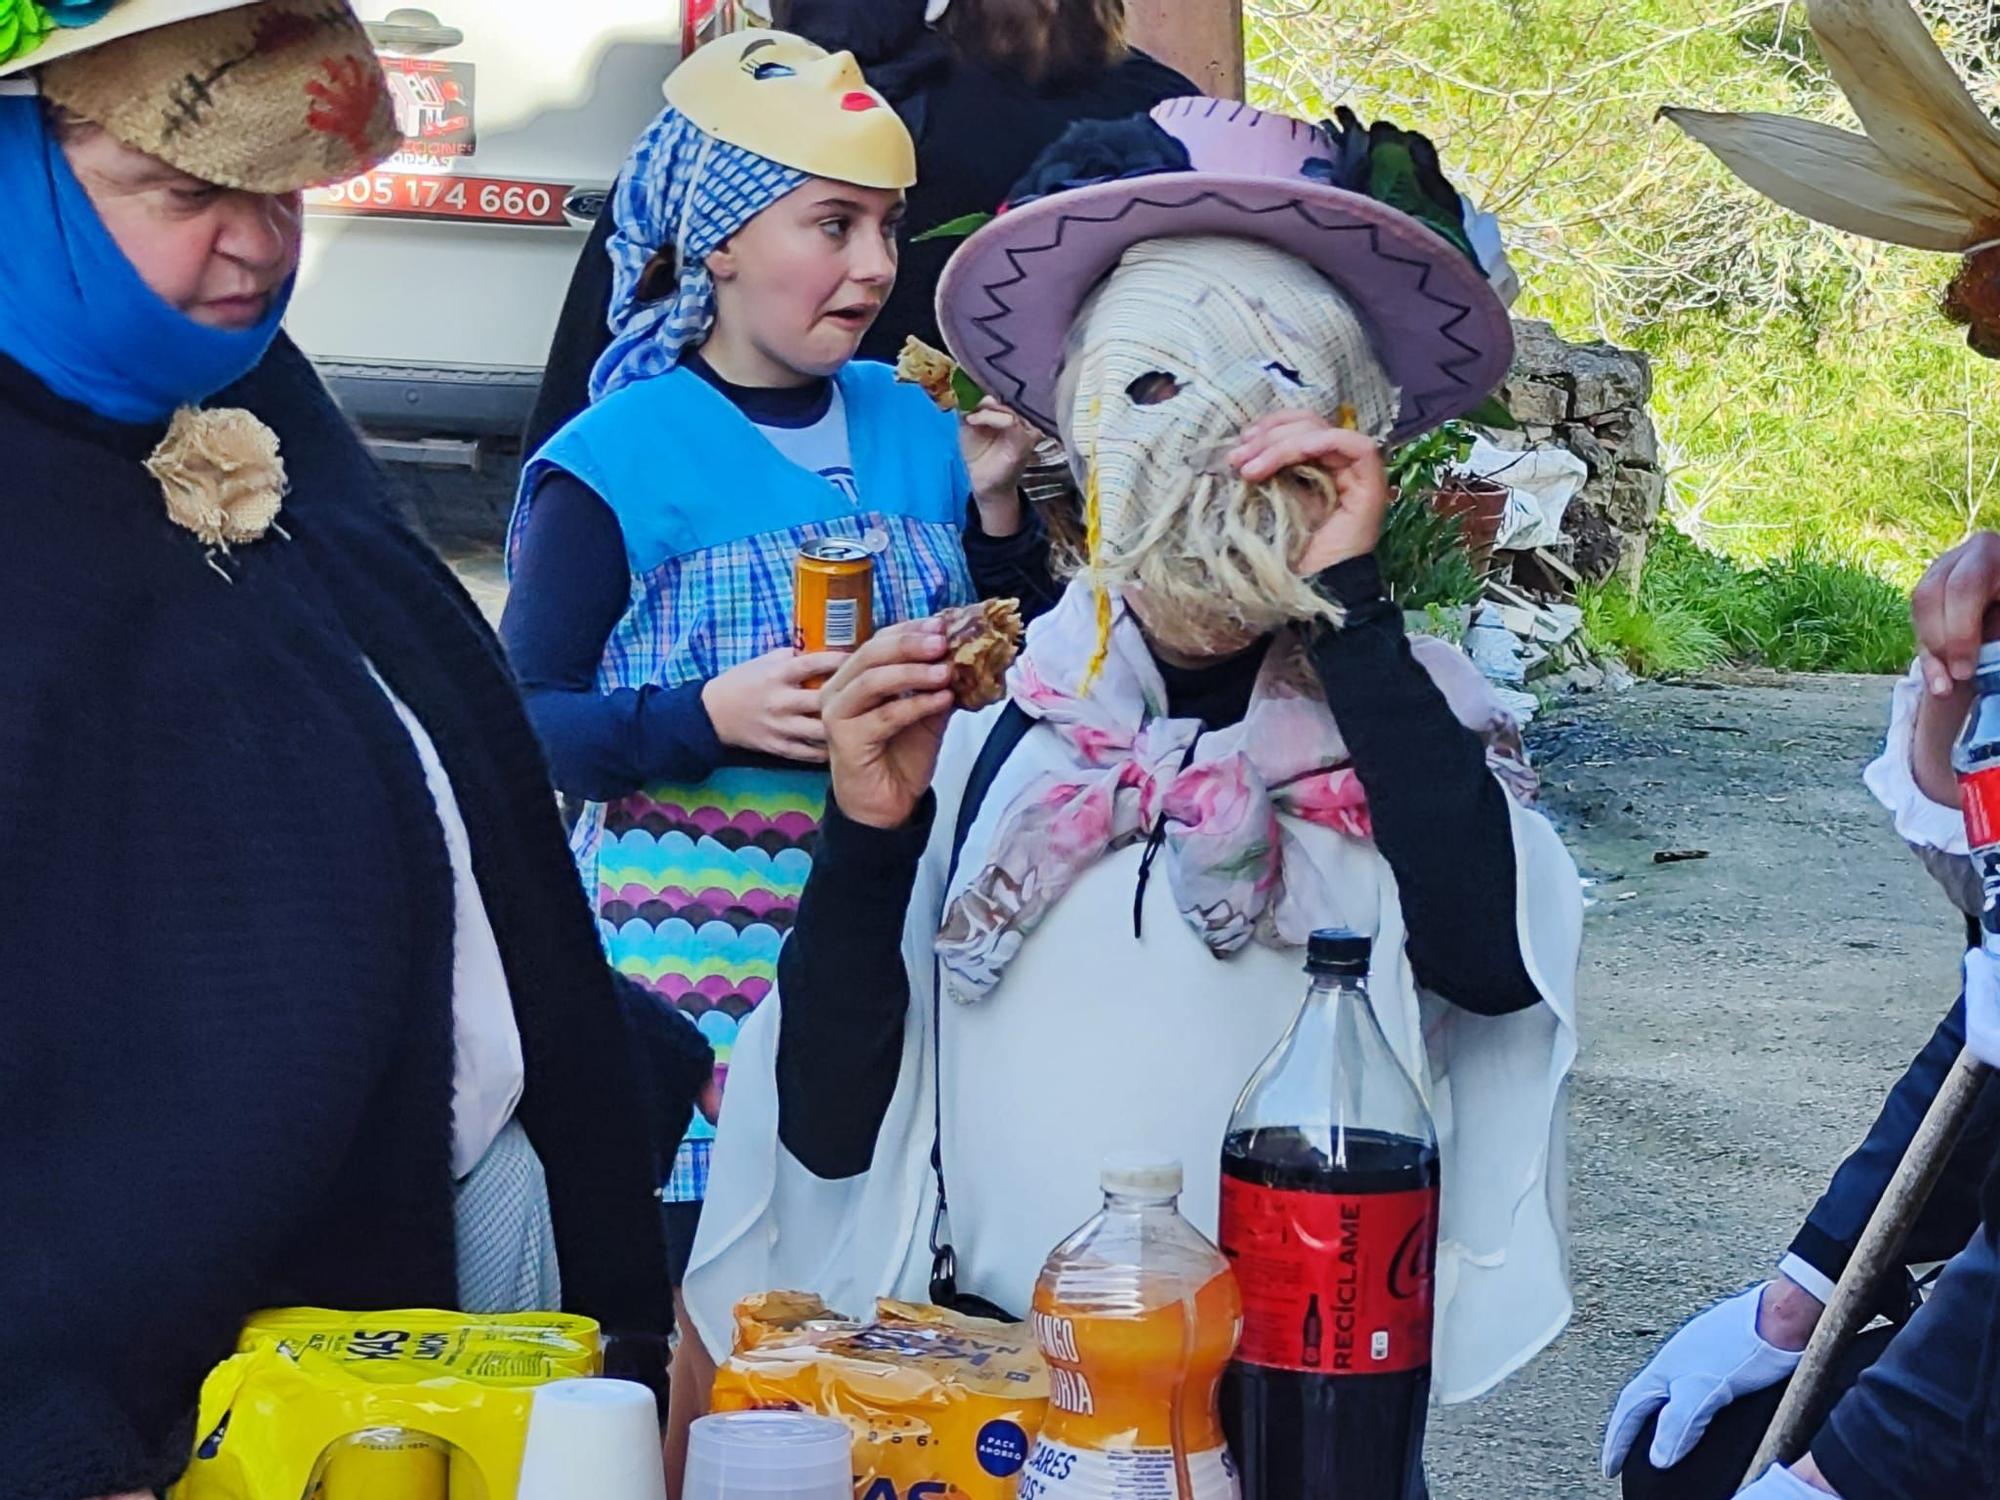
[{"x": 653, "y": 546}]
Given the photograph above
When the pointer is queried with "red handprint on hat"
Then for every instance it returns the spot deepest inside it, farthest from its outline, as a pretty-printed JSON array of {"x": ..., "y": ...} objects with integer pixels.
[{"x": 347, "y": 102}]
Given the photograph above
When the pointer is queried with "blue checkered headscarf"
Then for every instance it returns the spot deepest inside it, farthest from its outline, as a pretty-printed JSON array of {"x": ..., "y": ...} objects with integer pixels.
[{"x": 685, "y": 188}]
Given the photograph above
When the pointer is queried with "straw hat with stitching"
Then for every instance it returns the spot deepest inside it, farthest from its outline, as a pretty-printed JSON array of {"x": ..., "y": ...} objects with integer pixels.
[{"x": 267, "y": 96}]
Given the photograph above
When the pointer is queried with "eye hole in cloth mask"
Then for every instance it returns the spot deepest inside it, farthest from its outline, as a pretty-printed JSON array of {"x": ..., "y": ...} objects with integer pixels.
[{"x": 1246, "y": 331}]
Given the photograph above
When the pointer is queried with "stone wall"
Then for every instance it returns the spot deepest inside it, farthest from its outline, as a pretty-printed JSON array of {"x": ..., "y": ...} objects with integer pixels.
[{"x": 1591, "y": 399}]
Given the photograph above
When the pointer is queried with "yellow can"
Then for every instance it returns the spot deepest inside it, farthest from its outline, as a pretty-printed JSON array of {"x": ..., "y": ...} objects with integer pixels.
[
  {"x": 386, "y": 1463},
  {"x": 833, "y": 596}
]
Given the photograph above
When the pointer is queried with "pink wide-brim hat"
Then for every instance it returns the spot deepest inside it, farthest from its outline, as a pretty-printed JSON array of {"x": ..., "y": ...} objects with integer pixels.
[{"x": 1009, "y": 296}]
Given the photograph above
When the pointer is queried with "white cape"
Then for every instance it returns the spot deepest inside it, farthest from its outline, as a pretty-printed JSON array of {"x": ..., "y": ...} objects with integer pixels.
[{"x": 1095, "y": 1042}]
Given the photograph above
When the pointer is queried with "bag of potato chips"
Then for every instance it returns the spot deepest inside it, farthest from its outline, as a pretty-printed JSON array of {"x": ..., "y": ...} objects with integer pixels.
[
  {"x": 319, "y": 1405},
  {"x": 942, "y": 1407}
]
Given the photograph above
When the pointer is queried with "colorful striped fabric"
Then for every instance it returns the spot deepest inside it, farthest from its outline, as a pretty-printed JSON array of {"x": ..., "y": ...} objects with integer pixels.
[{"x": 696, "y": 888}]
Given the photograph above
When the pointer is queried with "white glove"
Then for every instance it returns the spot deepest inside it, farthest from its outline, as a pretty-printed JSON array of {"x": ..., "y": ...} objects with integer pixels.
[
  {"x": 1716, "y": 1358},
  {"x": 1780, "y": 1483},
  {"x": 1982, "y": 1005}
]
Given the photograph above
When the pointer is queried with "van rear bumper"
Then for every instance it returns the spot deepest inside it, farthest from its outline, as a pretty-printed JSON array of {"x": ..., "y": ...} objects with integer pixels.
[{"x": 473, "y": 401}]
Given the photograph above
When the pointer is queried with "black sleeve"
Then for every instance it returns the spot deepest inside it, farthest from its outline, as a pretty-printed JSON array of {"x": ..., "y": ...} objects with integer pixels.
[
  {"x": 1952, "y": 1213},
  {"x": 1925, "y": 1418},
  {"x": 1440, "y": 817},
  {"x": 583, "y": 333},
  {"x": 843, "y": 991},
  {"x": 1012, "y": 567},
  {"x": 571, "y": 587}
]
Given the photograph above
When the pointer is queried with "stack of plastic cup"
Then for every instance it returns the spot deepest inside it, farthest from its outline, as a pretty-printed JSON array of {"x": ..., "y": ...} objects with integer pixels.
[
  {"x": 769, "y": 1455},
  {"x": 595, "y": 1438}
]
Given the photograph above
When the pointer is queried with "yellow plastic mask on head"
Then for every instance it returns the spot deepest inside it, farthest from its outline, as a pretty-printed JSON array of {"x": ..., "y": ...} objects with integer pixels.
[{"x": 784, "y": 98}]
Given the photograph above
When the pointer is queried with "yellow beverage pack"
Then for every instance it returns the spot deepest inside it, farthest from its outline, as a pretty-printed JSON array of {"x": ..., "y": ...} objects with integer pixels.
[
  {"x": 414, "y": 1405},
  {"x": 942, "y": 1407}
]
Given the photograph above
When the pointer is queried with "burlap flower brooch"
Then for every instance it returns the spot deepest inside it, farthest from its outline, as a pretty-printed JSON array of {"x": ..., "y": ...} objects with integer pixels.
[{"x": 222, "y": 477}]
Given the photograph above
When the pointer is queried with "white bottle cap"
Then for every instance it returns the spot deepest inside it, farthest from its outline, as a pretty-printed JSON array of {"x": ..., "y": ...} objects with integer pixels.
[{"x": 1134, "y": 1174}]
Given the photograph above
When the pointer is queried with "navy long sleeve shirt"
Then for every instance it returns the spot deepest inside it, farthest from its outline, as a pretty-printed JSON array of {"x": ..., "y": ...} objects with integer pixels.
[
  {"x": 1952, "y": 1212},
  {"x": 1923, "y": 1422}
]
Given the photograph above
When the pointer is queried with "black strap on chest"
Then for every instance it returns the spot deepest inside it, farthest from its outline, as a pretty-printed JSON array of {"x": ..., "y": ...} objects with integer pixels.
[{"x": 1007, "y": 733}]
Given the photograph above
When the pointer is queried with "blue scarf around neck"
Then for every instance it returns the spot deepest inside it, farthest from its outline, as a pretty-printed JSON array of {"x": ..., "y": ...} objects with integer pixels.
[{"x": 76, "y": 314}]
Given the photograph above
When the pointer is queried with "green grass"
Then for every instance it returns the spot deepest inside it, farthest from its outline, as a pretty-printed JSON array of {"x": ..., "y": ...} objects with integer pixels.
[
  {"x": 1816, "y": 412},
  {"x": 1811, "y": 610}
]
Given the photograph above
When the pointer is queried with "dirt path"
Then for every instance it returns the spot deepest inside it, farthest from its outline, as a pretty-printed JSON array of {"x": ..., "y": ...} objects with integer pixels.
[{"x": 1742, "y": 1016}]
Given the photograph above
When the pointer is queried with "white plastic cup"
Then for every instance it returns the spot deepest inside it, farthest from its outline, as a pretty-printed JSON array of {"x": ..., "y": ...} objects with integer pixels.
[
  {"x": 769, "y": 1455},
  {"x": 599, "y": 1438}
]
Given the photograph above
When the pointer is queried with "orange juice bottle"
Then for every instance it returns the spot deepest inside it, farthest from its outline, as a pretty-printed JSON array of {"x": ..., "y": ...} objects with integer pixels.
[{"x": 1138, "y": 1317}]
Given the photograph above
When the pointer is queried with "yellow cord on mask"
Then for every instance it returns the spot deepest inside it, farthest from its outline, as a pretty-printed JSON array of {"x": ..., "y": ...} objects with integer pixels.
[{"x": 1093, "y": 521}]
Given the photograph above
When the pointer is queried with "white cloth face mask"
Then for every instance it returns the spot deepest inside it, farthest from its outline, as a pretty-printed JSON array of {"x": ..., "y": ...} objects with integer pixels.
[{"x": 1183, "y": 346}]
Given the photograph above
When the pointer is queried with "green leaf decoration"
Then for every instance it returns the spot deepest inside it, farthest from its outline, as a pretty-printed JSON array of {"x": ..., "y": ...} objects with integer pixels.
[
  {"x": 966, "y": 389},
  {"x": 954, "y": 229},
  {"x": 1492, "y": 412}
]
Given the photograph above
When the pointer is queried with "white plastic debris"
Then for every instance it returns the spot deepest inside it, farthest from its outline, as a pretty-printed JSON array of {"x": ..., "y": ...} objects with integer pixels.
[
  {"x": 1540, "y": 484},
  {"x": 1495, "y": 649}
]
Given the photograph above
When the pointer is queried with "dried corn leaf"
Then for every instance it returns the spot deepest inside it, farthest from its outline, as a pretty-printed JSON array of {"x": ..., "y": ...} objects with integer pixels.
[
  {"x": 1834, "y": 176},
  {"x": 1909, "y": 99}
]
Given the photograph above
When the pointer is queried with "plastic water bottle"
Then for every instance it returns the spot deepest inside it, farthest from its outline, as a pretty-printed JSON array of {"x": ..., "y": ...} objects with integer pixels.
[{"x": 1137, "y": 1316}]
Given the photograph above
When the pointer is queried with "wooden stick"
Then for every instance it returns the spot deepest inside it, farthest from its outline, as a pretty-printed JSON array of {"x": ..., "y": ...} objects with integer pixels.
[{"x": 1881, "y": 1242}]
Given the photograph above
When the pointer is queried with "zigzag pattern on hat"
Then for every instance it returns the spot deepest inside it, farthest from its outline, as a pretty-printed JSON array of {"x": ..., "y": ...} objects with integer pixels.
[{"x": 1423, "y": 407}]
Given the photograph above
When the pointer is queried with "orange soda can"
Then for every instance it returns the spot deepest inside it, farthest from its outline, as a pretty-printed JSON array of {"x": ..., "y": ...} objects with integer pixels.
[{"x": 834, "y": 597}]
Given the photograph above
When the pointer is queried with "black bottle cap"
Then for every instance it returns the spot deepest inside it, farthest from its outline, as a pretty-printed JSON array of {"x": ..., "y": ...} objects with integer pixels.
[{"x": 1335, "y": 950}]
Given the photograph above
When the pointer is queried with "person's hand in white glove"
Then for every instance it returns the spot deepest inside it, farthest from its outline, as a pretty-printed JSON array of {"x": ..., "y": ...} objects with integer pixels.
[
  {"x": 1745, "y": 1344},
  {"x": 1781, "y": 1483},
  {"x": 1982, "y": 1006}
]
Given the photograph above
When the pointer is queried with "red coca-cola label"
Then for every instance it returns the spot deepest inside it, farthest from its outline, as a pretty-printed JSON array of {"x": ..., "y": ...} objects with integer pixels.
[
  {"x": 1333, "y": 1284},
  {"x": 1979, "y": 791}
]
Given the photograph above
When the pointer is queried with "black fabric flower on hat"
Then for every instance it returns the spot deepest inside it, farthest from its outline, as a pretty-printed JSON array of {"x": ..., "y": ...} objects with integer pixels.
[
  {"x": 1394, "y": 166},
  {"x": 1094, "y": 151}
]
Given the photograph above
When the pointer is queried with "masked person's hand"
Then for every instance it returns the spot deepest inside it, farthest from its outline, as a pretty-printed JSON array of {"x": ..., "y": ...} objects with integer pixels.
[
  {"x": 997, "y": 445},
  {"x": 885, "y": 713},
  {"x": 1352, "y": 463},
  {"x": 765, "y": 705}
]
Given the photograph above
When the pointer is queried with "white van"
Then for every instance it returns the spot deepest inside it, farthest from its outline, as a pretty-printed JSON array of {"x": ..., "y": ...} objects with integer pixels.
[{"x": 430, "y": 287}]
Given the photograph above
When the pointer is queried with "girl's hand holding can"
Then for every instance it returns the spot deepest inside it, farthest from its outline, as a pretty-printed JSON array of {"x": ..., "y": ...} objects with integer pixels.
[
  {"x": 765, "y": 705},
  {"x": 885, "y": 713}
]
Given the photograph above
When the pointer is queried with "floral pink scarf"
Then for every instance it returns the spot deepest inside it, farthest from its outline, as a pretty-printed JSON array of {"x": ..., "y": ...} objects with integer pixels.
[{"x": 1236, "y": 871}]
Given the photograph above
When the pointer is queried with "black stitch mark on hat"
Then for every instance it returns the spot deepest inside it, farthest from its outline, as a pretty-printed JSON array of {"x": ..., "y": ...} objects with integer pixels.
[
  {"x": 186, "y": 100},
  {"x": 194, "y": 94}
]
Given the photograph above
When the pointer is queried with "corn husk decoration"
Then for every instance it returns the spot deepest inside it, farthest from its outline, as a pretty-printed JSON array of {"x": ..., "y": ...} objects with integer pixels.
[{"x": 1925, "y": 173}]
